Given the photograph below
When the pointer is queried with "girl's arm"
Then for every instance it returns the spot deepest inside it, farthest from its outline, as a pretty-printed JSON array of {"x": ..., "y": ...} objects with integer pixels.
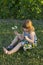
[{"x": 32, "y": 38}]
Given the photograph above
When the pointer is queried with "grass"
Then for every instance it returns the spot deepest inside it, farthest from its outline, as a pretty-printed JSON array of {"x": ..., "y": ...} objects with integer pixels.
[{"x": 30, "y": 57}]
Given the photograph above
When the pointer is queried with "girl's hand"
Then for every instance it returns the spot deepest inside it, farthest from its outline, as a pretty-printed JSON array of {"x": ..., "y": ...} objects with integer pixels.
[
  {"x": 29, "y": 40},
  {"x": 16, "y": 33}
]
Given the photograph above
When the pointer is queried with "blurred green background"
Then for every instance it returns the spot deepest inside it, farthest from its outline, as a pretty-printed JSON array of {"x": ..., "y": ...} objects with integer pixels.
[{"x": 21, "y": 9}]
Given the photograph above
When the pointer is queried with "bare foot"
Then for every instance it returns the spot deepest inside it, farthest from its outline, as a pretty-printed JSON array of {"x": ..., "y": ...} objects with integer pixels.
[{"x": 5, "y": 50}]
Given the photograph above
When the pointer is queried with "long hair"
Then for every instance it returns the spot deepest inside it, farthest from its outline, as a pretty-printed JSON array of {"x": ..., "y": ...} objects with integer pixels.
[{"x": 28, "y": 25}]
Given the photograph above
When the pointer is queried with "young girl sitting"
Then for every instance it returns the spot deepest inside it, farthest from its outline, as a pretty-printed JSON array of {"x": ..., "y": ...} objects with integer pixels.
[{"x": 28, "y": 37}]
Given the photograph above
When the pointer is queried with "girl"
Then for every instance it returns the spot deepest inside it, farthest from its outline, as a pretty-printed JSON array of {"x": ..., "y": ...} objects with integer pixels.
[{"x": 28, "y": 37}]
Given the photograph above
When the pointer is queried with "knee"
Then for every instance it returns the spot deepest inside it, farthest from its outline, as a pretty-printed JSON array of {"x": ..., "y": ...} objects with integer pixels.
[{"x": 17, "y": 36}]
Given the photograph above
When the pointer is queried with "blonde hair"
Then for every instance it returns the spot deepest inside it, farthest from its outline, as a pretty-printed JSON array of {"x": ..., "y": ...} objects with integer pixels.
[{"x": 29, "y": 25}]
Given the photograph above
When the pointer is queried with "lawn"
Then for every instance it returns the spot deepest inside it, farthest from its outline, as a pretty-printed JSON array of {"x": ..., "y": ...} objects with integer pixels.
[{"x": 29, "y": 57}]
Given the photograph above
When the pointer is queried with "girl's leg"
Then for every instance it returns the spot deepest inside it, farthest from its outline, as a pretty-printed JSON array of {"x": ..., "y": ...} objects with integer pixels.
[
  {"x": 13, "y": 43},
  {"x": 17, "y": 38},
  {"x": 15, "y": 49}
]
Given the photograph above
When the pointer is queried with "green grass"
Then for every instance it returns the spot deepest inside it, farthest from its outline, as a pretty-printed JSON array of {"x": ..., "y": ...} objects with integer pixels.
[{"x": 30, "y": 57}]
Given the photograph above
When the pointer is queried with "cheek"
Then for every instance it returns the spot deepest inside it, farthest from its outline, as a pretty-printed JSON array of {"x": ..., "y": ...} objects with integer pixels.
[
  {"x": 27, "y": 30},
  {"x": 24, "y": 29}
]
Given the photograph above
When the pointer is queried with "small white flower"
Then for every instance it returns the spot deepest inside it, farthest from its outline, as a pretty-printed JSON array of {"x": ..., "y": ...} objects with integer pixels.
[
  {"x": 16, "y": 27},
  {"x": 13, "y": 28}
]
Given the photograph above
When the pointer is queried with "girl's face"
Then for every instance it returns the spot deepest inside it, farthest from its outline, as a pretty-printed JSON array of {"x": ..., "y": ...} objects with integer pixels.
[{"x": 24, "y": 29}]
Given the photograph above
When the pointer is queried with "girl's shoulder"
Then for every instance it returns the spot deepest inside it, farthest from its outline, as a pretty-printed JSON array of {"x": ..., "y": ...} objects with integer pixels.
[{"x": 33, "y": 33}]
